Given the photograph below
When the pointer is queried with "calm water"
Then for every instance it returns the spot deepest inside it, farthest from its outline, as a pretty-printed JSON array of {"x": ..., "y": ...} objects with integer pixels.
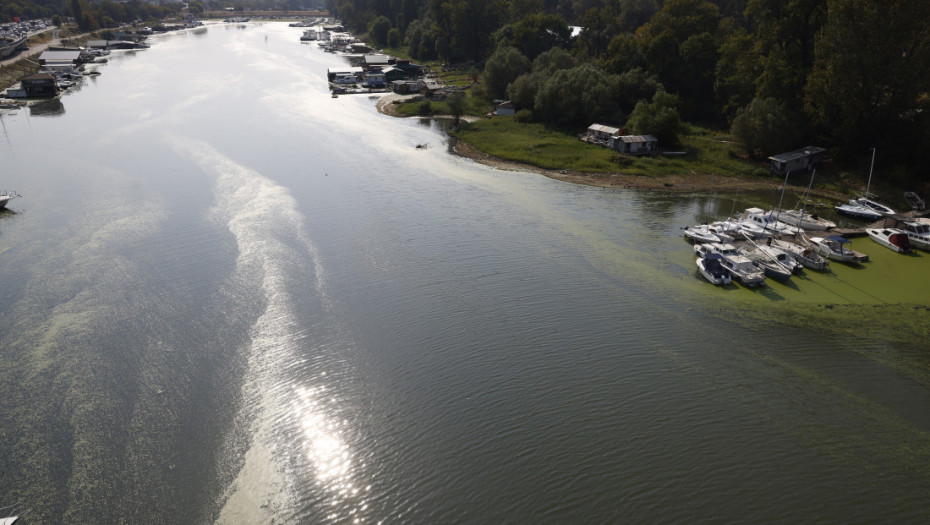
[{"x": 227, "y": 297}]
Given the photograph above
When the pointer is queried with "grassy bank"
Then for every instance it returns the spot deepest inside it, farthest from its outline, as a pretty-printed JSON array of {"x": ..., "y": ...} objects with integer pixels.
[{"x": 535, "y": 144}]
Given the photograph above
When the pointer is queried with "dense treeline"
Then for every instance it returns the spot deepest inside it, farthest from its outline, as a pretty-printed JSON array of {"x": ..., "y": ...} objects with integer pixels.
[
  {"x": 851, "y": 74},
  {"x": 89, "y": 15}
]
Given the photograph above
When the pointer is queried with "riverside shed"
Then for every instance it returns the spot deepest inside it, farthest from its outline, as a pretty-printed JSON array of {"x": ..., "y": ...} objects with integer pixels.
[
  {"x": 800, "y": 159},
  {"x": 635, "y": 144}
]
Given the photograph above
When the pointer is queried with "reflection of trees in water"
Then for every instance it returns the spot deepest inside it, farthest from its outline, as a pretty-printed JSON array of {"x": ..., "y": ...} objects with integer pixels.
[{"x": 47, "y": 108}]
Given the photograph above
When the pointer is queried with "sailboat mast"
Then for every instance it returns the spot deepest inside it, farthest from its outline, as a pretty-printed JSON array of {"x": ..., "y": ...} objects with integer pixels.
[
  {"x": 808, "y": 194},
  {"x": 871, "y": 168}
]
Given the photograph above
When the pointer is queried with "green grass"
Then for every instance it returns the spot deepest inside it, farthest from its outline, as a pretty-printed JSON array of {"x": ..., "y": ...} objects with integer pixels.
[{"x": 537, "y": 145}]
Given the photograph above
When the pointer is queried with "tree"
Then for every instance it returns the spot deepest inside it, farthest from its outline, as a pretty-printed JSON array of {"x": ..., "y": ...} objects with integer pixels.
[
  {"x": 522, "y": 91},
  {"x": 736, "y": 72},
  {"x": 502, "y": 68},
  {"x": 871, "y": 72},
  {"x": 680, "y": 45},
  {"x": 600, "y": 27},
  {"x": 634, "y": 13},
  {"x": 379, "y": 30},
  {"x": 456, "y": 102},
  {"x": 393, "y": 38},
  {"x": 577, "y": 97},
  {"x": 635, "y": 85},
  {"x": 534, "y": 34},
  {"x": 766, "y": 126},
  {"x": 783, "y": 36},
  {"x": 658, "y": 118},
  {"x": 468, "y": 24}
]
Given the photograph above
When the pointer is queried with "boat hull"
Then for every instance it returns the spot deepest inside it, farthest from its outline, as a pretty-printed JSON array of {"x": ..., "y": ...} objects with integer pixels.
[
  {"x": 718, "y": 276},
  {"x": 895, "y": 240},
  {"x": 842, "y": 255},
  {"x": 806, "y": 221},
  {"x": 858, "y": 212}
]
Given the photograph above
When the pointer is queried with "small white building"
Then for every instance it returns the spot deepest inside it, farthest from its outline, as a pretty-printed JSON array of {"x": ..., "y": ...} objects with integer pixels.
[
  {"x": 374, "y": 78},
  {"x": 59, "y": 59},
  {"x": 376, "y": 61},
  {"x": 635, "y": 144},
  {"x": 601, "y": 134},
  {"x": 334, "y": 72}
]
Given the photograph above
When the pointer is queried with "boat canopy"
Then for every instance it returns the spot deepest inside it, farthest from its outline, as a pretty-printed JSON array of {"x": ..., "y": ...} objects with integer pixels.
[
  {"x": 714, "y": 256},
  {"x": 837, "y": 238}
]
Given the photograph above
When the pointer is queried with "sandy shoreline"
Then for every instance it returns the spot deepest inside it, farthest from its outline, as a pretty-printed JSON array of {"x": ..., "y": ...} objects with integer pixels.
[{"x": 694, "y": 182}]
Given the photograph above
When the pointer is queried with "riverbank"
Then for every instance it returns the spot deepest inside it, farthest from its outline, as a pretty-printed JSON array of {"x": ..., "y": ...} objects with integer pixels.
[{"x": 670, "y": 182}]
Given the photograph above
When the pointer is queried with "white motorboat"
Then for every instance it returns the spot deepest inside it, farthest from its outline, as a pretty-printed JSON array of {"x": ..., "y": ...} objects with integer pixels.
[
  {"x": 836, "y": 247},
  {"x": 727, "y": 227},
  {"x": 767, "y": 222},
  {"x": 802, "y": 254},
  {"x": 711, "y": 267},
  {"x": 891, "y": 238},
  {"x": 721, "y": 232},
  {"x": 917, "y": 232},
  {"x": 6, "y": 197},
  {"x": 744, "y": 270},
  {"x": 740, "y": 268},
  {"x": 720, "y": 248},
  {"x": 863, "y": 207},
  {"x": 751, "y": 230},
  {"x": 700, "y": 234}
]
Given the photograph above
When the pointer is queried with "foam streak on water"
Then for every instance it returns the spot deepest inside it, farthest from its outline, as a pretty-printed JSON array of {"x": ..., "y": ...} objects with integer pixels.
[{"x": 291, "y": 434}]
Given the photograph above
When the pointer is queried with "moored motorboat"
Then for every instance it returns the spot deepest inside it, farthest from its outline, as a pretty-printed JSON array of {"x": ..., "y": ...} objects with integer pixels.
[
  {"x": 700, "y": 234},
  {"x": 720, "y": 231},
  {"x": 836, "y": 248},
  {"x": 728, "y": 227},
  {"x": 743, "y": 270},
  {"x": 891, "y": 238},
  {"x": 711, "y": 267},
  {"x": 917, "y": 232},
  {"x": 740, "y": 268},
  {"x": 915, "y": 201},
  {"x": 6, "y": 197},
  {"x": 803, "y": 254},
  {"x": 767, "y": 222},
  {"x": 720, "y": 248}
]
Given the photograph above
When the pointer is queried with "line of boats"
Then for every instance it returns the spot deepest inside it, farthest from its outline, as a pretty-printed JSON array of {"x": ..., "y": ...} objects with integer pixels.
[{"x": 759, "y": 244}]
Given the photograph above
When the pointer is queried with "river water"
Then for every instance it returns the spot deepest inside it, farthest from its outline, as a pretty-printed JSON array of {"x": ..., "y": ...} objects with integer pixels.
[{"x": 227, "y": 297}]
